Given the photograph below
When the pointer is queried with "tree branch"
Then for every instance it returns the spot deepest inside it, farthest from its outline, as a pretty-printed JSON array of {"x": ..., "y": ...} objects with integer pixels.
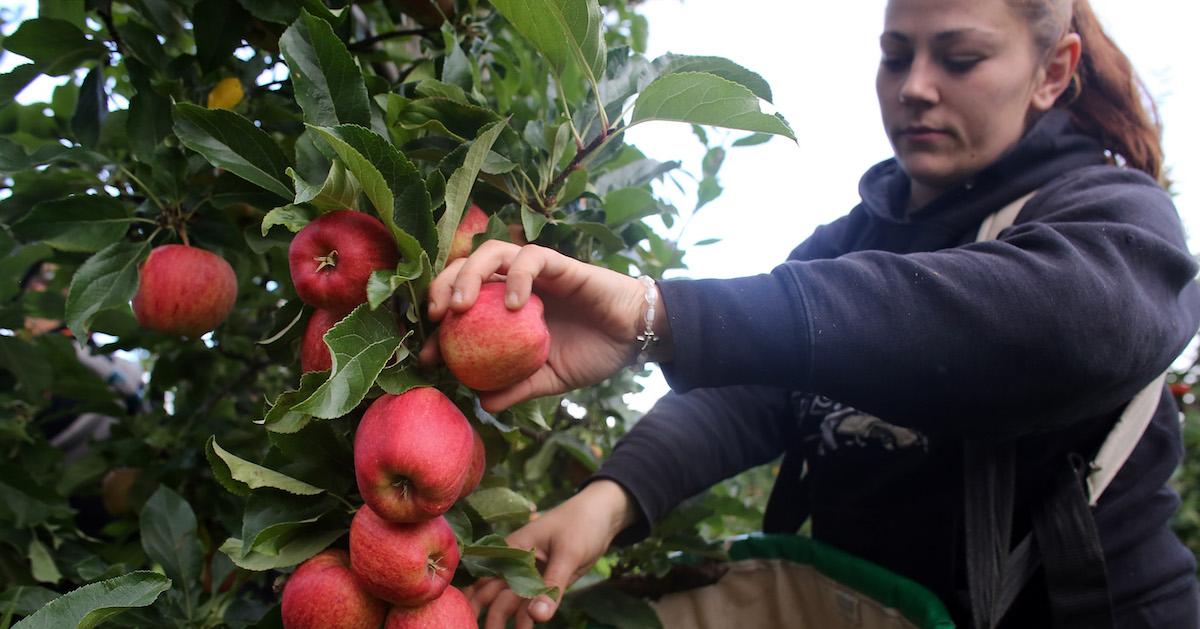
[{"x": 367, "y": 43}]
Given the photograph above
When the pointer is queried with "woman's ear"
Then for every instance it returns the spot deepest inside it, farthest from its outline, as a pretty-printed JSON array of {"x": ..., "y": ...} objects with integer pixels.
[{"x": 1055, "y": 75}]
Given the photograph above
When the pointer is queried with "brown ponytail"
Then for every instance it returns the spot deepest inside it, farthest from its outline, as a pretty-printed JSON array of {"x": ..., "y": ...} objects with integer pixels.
[{"x": 1106, "y": 99}]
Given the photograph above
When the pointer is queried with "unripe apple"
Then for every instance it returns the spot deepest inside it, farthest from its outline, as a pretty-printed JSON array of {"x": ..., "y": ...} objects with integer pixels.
[
  {"x": 334, "y": 255},
  {"x": 314, "y": 353},
  {"x": 473, "y": 222},
  {"x": 451, "y": 610},
  {"x": 490, "y": 347},
  {"x": 324, "y": 592},
  {"x": 184, "y": 290},
  {"x": 412, "y": 453},
  {"x": 404, "y": 564},
  {"x": 478, "y": 467}
]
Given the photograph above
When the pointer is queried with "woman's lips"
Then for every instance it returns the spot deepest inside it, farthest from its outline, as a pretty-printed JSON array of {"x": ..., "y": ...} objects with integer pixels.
[{"x": 922, "y": 134}]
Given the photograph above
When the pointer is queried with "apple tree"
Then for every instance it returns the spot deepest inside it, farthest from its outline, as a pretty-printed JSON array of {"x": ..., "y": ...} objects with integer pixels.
[{"x": 178, "y": 479}]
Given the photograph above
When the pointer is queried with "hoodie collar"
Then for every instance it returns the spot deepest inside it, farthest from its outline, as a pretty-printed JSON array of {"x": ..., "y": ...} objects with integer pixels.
[{"x": 1052, "y": 146}]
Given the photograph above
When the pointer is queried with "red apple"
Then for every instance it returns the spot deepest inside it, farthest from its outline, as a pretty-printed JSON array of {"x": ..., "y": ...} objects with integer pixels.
[
  {"x": 184, "y": 290},
  {"x": 314, "y": 353},
  {"x": 404, "y": 564},
  {"x": 451, "y": 610},
  {"x": 473, "y": 222},
  {"x": 323, "y": 592},
  {"x": 478, "y": 467},
  {"x": 412, "y": 453},
  {"x": 332, "y": 257},
  {"x": 490, "y": 347}
]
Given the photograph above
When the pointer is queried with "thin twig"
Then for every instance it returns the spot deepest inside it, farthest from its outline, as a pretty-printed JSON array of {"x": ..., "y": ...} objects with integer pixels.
[{"x": 366, "y": 43}]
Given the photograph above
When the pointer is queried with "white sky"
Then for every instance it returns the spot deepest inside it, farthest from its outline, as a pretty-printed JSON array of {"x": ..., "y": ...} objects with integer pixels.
[{"x": 820, "y": 59}]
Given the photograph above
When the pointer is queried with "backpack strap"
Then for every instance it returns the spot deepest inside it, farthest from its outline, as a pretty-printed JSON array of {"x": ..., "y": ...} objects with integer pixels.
[{"x": 1064, "y": 538}]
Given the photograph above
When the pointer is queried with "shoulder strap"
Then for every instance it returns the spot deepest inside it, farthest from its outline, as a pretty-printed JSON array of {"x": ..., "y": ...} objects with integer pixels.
[
  {"x": 1064, "y": 535},
  {"x": 1128, "y": 430}
]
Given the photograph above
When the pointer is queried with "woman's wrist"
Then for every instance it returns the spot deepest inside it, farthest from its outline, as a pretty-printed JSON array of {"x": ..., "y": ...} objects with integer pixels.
[
  {"x": 614, "y": 503},
  {"x": 652, "y": 329}
]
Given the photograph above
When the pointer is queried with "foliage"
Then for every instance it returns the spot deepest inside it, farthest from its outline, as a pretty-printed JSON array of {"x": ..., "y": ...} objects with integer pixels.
[{"x": 228, "y": 125}]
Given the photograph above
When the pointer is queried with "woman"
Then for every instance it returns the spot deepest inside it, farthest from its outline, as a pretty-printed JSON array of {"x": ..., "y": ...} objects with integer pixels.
[{"x": 894, "y": 314}]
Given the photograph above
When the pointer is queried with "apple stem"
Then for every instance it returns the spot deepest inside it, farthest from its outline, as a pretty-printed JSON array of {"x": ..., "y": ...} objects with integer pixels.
[
  {"x": 327, "y": 260},
  {"x": 403, "y": 485},
  {"x": 435, "y": 564}
]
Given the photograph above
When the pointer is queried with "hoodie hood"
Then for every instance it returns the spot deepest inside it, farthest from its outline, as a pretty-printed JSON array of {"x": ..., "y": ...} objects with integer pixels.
[{"x": 1051, "y": 147}]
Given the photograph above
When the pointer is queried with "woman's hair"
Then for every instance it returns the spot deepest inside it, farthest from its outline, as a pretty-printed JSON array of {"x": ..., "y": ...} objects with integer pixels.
[{"x": 1106, "y": 98}]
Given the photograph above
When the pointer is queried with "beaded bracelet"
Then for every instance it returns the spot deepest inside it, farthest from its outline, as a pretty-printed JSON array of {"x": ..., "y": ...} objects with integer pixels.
[{"x": 648, "y": 338}]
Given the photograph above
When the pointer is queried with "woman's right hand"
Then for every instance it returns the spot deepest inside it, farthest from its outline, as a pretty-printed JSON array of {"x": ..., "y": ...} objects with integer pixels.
[
  {"x": 594, "y": 314},
  {"x": 567, "y": 540}
]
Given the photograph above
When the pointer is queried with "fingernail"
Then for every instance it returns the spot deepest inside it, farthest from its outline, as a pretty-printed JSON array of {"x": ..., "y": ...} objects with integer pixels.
[
  {"x": 457, "y": 296},
  {"x": 432, "y": 306},
  {"x": 540, "y": 608},
  {"x": 510, "y": 299}
]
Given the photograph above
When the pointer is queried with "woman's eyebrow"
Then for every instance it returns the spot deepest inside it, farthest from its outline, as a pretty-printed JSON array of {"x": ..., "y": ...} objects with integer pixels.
[{"x": 942, "y": 37}]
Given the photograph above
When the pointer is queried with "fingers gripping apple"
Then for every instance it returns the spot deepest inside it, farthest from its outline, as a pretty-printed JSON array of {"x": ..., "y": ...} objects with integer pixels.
[{"x": 490, "y": 347}]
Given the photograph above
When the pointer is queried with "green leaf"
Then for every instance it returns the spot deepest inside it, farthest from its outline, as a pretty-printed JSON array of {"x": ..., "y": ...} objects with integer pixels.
[
  {"x": 532, "y": 222},
  {"x": 390, "y": 181},
  {"x": 565, "y": 31},
  {"x": 23, "y": 600},
  {"x": 302, "y": 545},
  {"x": 240, "y": 476},
  {"x": 15, "y": 260},
  {"x": 399, "y": 379},
  {"x": 501, "y": 504},
  {"x": 15, "y": 80},
  {"x": 90, "y": 605},
  {"x": 626, "y": 205},
  {"x": 456, "y": 68},
  {"x": 106, "y": 280},
  {"x": 490, "y": 556},
  {"x": 614, "y": 608},
  {"x": 42, "y": 563},
  {"x": 329, "y": 85},
  {"x": 753, "y": 139},
  {"x": 339, "y": 192},
  {"x": 282, "y": 416},
  {"x": 232, "y": 142},
  {"x": 602, "y": 233},
  {"x": 91, "y": 109},
  {"x": 458, "y": 189},
  {"x": 671, "y": 63},
  {"x": 440, "y": 114},
  {"x": 361, "y": 345},
  {"x": 380, "y": 287},
  {"x": 702, "y": 98},
  {"x": 12, "y": 156},
  {"x": 272, "y": 519},
  {"x": 149, "y": 122},
  {"x": 169, "y": 538},
  {"x": 83, "y": 223},
  {"x": 142, "y": 44},
  {"x": 56, "y": 47},
  {"x": 575, "y": 185},
  {"x": 293, "y": 217},
  {"x": 708, "y": 191},
  {"x": 218, "y": 26}
]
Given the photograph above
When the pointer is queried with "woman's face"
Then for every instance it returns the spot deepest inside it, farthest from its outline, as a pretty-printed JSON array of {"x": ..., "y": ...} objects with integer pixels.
[{"x": 957, "y": 83}]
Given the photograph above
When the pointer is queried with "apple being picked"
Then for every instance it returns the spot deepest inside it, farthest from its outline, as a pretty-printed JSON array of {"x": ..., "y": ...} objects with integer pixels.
[
  {"x": 314, "y": 353},
  {"x": 490, "y": 347},
  {"x": 404, "y": 564},
  {"x": 334, "y": 255},
  {"x": 184, "y": 290},
  {"x": 473, "y": 222},
  {"x": 451, "y": 610},
  {"x": 323, "y": 592},
  {"x": 412, "y": 454}
]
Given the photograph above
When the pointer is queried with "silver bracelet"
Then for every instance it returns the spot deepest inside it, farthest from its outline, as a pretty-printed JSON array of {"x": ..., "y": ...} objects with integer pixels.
[{"x": 648, "y": 338}]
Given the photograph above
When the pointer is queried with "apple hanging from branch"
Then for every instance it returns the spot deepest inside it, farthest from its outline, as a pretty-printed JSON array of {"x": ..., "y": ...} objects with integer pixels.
[
  {"x": 184, "y": 291},
  {"x": 332, "y": 257}
]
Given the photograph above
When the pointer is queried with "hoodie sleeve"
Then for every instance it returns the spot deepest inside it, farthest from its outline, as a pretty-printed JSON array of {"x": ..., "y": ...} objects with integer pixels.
[
  {"x": 1062, "y": 318},
  {"x": 689, "y": 442}
]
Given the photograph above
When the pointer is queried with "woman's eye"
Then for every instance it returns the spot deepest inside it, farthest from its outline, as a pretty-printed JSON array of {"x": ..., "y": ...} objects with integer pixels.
[
  {"x": 893, "y": 63},
  {"x": 961, "y": 64}
]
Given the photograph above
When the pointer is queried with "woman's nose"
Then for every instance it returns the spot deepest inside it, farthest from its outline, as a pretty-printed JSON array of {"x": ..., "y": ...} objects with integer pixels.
[{"x": 920, "y": 84}]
